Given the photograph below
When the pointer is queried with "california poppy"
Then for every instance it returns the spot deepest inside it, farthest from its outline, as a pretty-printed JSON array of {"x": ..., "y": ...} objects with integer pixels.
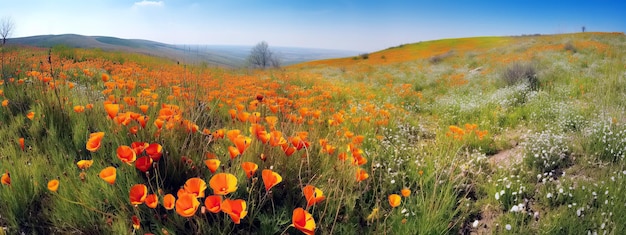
[
  {"x": 233, "y": 151},
  {"x": 112, "y": 109},
  {"x": 138, "y": 194},
  {"x": 405, "y": 192},
  {"x": 136, "y": 222},
  {"x": 6, "y": 178},
  {"x": 250, "y": 168},
  {"x": 187, "y": 205},
  {"x": 236, "y": 209},
  {"x": 169, "y": 201},
  {"x": 108, "y": 174},
  {"x": 242, "y": 143},
  {"x": 303, "y": 221},
  {"x": 53, "y": 185},
  {"x": 143, "y": 163},
  {"x": 232, "y": 134},
  {"x": 93, "y": 144},
  {"x": 79, "y": 108},
  {"x": 213, "y": 203},
  {"x": 313, "y": 195},
  {"x": 126, "y": 154},
  {"x": 270, "y": 178},
  {"x": 21, "y": 140},
  {"x": 223, "y": 183},
  {"x": 30, "y": 115},
  {"x": 152, "y": 200},
  {"x": 138, "y": 147},
  {"x": 394, "y": 200},
  {"x": 195, "y": 186},
  {"x": 155, "y": 151},
  {"x": 361, "y": 175},
  {"x": 144, "y": 108},
  {"x": 212, "y": 164},
  {"x": 5, "y": 103},
  {"x": 84, "y": 164}
]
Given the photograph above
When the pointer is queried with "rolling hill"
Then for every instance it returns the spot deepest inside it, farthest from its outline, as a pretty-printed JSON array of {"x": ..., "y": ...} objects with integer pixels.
[{"x": 221, "y": 55}]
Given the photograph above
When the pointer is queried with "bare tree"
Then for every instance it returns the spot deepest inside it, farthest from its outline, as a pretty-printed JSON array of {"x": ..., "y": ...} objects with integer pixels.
[
  {"x": 6, "y": 28},
  {"x": 262, "y": 57}
]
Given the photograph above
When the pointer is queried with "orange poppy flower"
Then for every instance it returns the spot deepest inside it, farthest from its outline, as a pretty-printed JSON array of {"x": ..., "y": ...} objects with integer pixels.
[
  {"x": 361, "y": 175},
  {"x": 159, "y": 123},
  {"x": 89, "y": 106},
  {"x": 126, "y": 154},
  {"x": 242, "y": 143},
  {"x": 223, "y": 183},
  {"x": 138, "y": 147},
  {"x": 289, "y": 150},
  {"x": 136, "y": 222},
  {"x": 232, "y": 134},
  {"x": 79, "y": 108},
  {"x": 169, "y": 201},
  {"x": 84, "y": 164},
  {"x": 112, "y": 109},
  {"x": 21, "y": 140},
  {"x": 250, "y": 168},
  {"x": 133, "y": 130},
  {"x": 53, "y": 185},
  {"x": 93, "y": 144},
  {"x": 303, "y": 221},
  {"x": 142, "y": 120},
  {"x": 394, "y": 200},
  {"x": 30, "y": 115},
  {"x": 108, "y": 174},
  {"x": 213, "y": 203},
  {"x": 155, "y": 151},
  {"x": 218, "y": 134},
  {"x": 187, "y": 205},
  {"x": 313, "y": 195},
  {"x": 195, "y": 186},
  {"x": 270, "y": 178},
  {"x": 143, "y": 163},
  {"x": 236, "y": 209},
  {"x": 5, "y": 103},
  {"x": 233, "y": 151},
  {"x": 144, "y": 108},
  {"x": 6, "y": 178},
  {"x": 405, "y": 192},
  {"x": 212, "y": 164},
  {"x": 138, "y": 194},
  {"x": 152, "y": 200}
]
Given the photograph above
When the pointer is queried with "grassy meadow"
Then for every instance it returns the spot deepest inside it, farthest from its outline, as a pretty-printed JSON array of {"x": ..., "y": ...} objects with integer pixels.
[{"x": 486, "y": 135}]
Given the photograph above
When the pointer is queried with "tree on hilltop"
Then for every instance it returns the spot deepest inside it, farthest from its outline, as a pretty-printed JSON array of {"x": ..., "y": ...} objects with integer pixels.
[
  {"x": 6, "y": 28},
  {"x": 262, "y": 57}
]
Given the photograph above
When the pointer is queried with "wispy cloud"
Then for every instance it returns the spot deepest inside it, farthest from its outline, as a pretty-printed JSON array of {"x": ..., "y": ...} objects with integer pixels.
[{"x": 146, "y": 3}]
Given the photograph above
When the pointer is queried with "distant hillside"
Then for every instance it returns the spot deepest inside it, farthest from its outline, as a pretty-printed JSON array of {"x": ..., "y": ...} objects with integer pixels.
[{"x": 229, "y": 56}]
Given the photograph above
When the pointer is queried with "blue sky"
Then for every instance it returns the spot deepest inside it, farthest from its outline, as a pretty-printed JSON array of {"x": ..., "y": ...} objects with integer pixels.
[{"x": 340, "y": 24}]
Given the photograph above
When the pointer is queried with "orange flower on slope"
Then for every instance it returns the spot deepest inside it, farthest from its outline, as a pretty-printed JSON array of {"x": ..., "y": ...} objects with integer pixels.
[
  {"x": 138, "y": 147},
  {"x": 361, "y": 175},
  {"x": 84, "y": 164},
  {"x": 138, "y": 194},
  {"x": 30, "y": 115},
  {"x": 169, "y": 201},
  {"x": 126, "y": 154},
  {"x": 270, "y": 178},
  {"x": 394, "y": 200},
  {"x": 195, "y": 186},
  {"x": 187, "y": 205},
  {"x": 232, "y": 134},
  {"x": 313, "y": 195},
  {"x": 212, "y": 164},
  {"x": 93, "y": 144},
  {"x": 213, "y": 203},
  {"x": 108, "y": 174},
  {"x": 233, "y": 151},
  {"x": 303, "y": 221},
  {"x": 143, "y": 164},
  {"x": 21, "y": 140},
  {"x": 223, "y": 183},
  {"x": 53, "y": 185},
  {"x": 155, "y": 151},
  {"x": 79, "y": 108},
  {"x": 242, "y": 143},
  {"x": 136, "y": 222},
  {"x": 236, "y": 209},
  {"x": 112, "y": 109},
  {"x": 250, "y": 168},
  {"x": 6, "y": 178},
  {"x": 405, "y": 192},
  {"x": 5, "y": 103},
  {"x": 152, "y": 200}
]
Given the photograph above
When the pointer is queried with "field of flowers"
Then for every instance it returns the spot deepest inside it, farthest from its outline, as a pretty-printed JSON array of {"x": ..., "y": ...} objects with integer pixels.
[{"x": 520, "y": 135}]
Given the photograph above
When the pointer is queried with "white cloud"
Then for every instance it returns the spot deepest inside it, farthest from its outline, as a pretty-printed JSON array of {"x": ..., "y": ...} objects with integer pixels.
[{"x": 146, "y": 3}]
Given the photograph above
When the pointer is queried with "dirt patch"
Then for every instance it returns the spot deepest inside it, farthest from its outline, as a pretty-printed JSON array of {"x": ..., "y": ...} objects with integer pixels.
[{"x": 508, "y": 157}]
